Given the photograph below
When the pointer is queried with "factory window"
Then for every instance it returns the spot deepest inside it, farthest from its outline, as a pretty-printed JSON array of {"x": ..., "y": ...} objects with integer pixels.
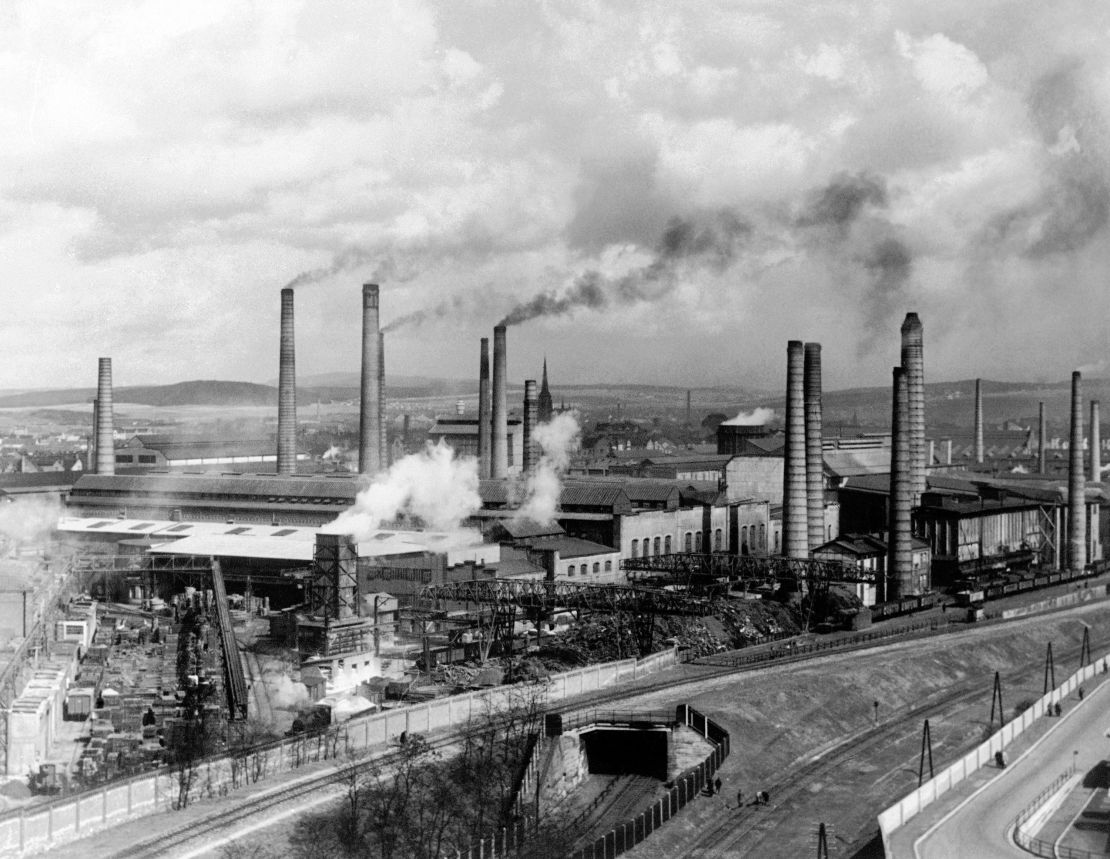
[
  {"x": 744, "y": 540},
  {"x": 608, "y": 566},
  {"x": 688, "y": 545},
  {"x": 570, "y": 570},
  {"x": 667, "y": 545},
  {"x": 717, "y": 536},
  {"x": 147, "y": 457},
  {"x": 597, "y": 567},
  {"x": 697, "y": 541},
  {"x": 657, "y": 547},
  {"x": 776, "y": 544},
  {"x": 124, "y": 457},
  {"x": 763, "y": 537},
  {"x": 635, "y": 547}
]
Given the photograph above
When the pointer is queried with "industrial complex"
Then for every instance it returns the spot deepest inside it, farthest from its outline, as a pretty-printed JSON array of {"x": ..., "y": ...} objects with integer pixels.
[{"x": 197, "y": 601}]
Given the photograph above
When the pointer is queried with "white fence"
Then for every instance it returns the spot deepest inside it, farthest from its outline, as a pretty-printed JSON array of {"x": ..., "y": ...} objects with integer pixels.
[
  {"x": 909, "y": 806},
  {"x": 35, "y": 827}
]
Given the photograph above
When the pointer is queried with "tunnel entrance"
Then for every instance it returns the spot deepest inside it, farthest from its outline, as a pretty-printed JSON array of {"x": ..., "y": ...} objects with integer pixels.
[{"x": 627, "y": 752}]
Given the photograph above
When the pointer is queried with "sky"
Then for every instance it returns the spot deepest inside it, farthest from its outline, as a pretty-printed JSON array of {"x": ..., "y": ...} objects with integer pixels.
[{"x": 647, "y": 191}]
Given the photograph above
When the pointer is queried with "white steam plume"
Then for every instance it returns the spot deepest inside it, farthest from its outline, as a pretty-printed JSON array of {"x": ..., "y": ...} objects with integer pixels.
[
  {"x": 29, "y": 519},
  {"x": 332, "y": 453},
  {"x": 757, "y": 417},
  {"x": 285, "y": 693},
  {"x": 557, "y": 439},
  {"x": 432, "y": 486}
]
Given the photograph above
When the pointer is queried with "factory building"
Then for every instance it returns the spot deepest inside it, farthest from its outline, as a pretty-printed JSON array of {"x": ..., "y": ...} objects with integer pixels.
[
  {"x": 161, "y": 453},
  {"x": 462, "y": 434}
]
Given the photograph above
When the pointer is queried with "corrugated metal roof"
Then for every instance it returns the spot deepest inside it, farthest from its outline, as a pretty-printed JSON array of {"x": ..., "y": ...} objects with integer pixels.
[{"x": 261, "y": 487}]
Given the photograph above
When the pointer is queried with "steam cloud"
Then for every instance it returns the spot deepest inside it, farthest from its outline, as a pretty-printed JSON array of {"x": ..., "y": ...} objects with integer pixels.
[
  {"x": 432, "y": 486},
  {"x": 28, "y": 519},
  {"x": 889, "y": 265},
  {"x": 419, "y": 317},
  {"x": 557, "y": 439},
  {"x": 757, "y": 417},
  {"x": 712, "y": 241}
]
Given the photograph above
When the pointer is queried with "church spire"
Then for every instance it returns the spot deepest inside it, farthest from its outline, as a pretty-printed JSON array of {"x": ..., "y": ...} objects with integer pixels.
[{"x": 545, "y": 406}]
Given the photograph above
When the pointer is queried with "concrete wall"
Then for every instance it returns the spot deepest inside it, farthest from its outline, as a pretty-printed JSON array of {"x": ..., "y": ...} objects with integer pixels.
[
  {"x": 675, "y": 524},
  {"x": 754, "y": 477}
]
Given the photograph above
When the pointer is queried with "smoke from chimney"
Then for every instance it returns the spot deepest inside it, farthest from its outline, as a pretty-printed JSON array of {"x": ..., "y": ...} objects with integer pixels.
[
  {"x": 485, "y": 429},
  {"x": 913, "y": 360},
  {"x": 105, "y": 430},
  {"x": 900, "y": 565},
  {"x": 711, "y": 240},
  {"x": 531, "y": 411},
  {"x": 369, "y": 456},
  {"x": 1077, "y": 501},
  {"x": 795, "y": 530},
  {"x": 979, "y": 420},
  {"x": 815, "y": 459},
  {"x": 499, "y": 453},
  {"x": 287, "y": 390}
]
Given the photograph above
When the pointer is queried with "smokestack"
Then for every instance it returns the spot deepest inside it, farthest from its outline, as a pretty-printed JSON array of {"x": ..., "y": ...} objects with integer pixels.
[
  {"x": 369, "y": 456},
  {"x": 815, "y": 459},
  {"x": 484, "y": 426},
  {"x": 688, "y": 412},
  {"x": 531, "y": 418},
  {"x": 979, "y": 420},
  {"x": 1042, "y": 442},
  {"x": 105, "y": 444},
  {"x": 1096, "y": 443},
  {"x": 287, "y": 391},
  {"x": 499, "y": 453},
  {"x": 383, "y": 436},
  {"x": 913, "y": 361},
  {"x": 91, "y": 463},
  {"x": 795, "y": 540},
  {"x": 1077, "y": 502},
  {"x": 899, "y": 565}
]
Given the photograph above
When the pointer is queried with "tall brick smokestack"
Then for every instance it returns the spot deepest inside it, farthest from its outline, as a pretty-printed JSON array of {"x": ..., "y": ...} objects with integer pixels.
[
  {"x": 899, "y": 563},
  {"x": 1077, "y": 485},
  {"x": 499, "y": 450},
  {"x": 815, "y": 459},
  {"x": 105, "y": 445},
  {"x": 485, "y": 429},
  {"x": 913, "y": 361},
  {"x": 287, "y": 390},
  {"x": 531, "y": 418},
  {"x": 1096, "y": 443},
  {"x": 1042, "y": 442},
  {"x": 90, "y": 464},
  {"x": 383, "y": 436},
  {"x": 795, "y": 531},
  {"x": 979, "y": 420},
  {"x": 369, "y": 455}
]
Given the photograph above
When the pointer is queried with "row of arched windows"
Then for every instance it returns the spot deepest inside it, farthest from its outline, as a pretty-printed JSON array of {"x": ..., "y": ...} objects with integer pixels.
[{"x": 691, "y": 542}]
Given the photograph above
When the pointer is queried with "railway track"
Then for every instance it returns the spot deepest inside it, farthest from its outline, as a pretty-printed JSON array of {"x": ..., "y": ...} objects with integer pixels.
[
  {"x": 748, "y": 832},
  {"x": 733, "y": 832}
]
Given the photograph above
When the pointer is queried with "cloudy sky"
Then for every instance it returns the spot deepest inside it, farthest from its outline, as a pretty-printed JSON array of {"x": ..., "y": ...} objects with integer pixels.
[{"x": 676, "y": 189}]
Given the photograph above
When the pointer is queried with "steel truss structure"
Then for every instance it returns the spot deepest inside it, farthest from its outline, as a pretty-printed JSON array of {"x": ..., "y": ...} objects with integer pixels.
[
  {"x": 716, "y": 572},
  {"x": 502, "y": 599}
]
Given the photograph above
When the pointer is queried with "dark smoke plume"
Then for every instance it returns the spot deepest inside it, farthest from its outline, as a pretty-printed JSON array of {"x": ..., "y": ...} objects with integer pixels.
[
  {"x": 346, "y": 260},
  {"x": 712, "y": 241},
  {"x": 889, "y": 265},
  {"x": 419, "y": 317},
  {"x": 840, "y": 202}
]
